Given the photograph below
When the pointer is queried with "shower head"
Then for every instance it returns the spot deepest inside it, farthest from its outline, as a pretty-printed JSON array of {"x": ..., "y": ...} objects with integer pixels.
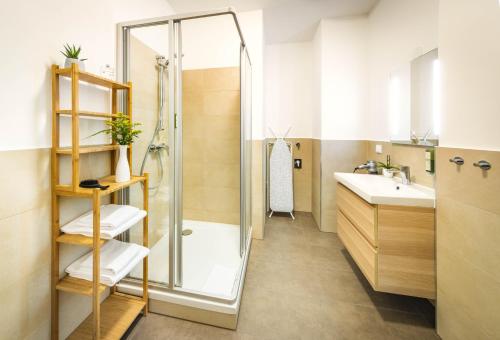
[{"x": 161, "y": 61}]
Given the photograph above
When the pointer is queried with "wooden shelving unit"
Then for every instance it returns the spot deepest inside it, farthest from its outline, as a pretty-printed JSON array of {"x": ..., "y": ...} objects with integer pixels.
[{"x": 111, "y": 318}]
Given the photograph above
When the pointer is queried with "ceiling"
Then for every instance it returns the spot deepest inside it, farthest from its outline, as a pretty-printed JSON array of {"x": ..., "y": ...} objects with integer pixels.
[{"x": 284, "y": 20}]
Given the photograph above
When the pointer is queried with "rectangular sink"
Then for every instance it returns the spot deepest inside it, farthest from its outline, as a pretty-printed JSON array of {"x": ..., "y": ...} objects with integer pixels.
[{"x": 376, "y": 189}]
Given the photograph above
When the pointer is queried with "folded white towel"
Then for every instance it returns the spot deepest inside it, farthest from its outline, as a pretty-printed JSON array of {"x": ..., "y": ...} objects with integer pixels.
[
  {"x": 123, "y": 263},
  {"x": 112, "y": 215},
  {"x": 106, "y": 233},
  {"x": 114, "y": 257}
]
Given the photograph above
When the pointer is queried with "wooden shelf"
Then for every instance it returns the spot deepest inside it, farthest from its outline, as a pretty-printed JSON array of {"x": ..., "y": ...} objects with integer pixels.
[
  {"x": 118, "y": 312},
  {"x": 89, "y": 114},
  {"x": 80, "y": 240},
  {"x": 93, "y": 79},
  {"x": 77, "y": 286},
  {"x": 67, "y": 190},
  {"x": 113, "y": 317},
  {"x": 88, "y": 149}
]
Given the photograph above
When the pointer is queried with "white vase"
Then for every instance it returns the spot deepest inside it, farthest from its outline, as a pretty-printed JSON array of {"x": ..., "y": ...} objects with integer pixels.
[
  {"x": 387, "y": 173},
  {"x": 122, "y": 167},
  {"x": 69, "y": 61}
]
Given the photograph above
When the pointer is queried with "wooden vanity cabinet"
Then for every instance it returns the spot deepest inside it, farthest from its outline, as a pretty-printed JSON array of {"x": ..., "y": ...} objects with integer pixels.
[{"x": 394, "y": 246}]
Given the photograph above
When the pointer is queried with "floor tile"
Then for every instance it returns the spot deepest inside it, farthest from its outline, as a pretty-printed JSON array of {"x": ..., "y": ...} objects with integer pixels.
[{"x": 302, "y": 284}]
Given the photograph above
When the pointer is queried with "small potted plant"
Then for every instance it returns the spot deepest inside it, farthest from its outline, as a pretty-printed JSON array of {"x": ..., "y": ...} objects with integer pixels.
[
  {"x": 123, "y": 132},
  {"x": 72, "y": 55},
  {"x": 387, "y": 168}
]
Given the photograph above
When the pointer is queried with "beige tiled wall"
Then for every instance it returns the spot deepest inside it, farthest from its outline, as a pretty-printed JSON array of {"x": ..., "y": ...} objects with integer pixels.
[
  {"x": 403, "y": 155},
  {"x": 25, "y": 246},
  {"x": 468, "y": 252},
  {"x": 211, "y": 143},
  {"x": 316, "y": 180},
  {"x": 302, "y": 177},
  {"x": 258, "y": 189},
  {"x": 336, "y": 156}
]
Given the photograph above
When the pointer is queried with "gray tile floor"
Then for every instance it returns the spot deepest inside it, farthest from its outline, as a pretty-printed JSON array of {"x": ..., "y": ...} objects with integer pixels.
[{"x": 302, "y": 284}]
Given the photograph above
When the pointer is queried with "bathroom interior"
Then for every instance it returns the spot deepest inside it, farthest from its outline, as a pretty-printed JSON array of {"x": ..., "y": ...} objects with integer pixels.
[{"x": 253, "y": 169}]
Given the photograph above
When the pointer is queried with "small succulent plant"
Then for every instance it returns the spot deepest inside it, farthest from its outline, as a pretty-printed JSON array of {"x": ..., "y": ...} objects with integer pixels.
[{"x": 72, "y": 52}]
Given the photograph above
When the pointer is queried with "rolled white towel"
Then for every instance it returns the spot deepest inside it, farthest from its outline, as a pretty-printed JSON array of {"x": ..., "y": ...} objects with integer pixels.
[
  {"x": 112, "y": 215},
  {"x": 106, "y": 233}
]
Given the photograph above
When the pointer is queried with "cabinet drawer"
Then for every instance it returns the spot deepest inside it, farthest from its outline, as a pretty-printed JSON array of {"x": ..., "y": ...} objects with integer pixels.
[
  {"x": 359, "y": 248},
  {"x": 361, "y": 213}
]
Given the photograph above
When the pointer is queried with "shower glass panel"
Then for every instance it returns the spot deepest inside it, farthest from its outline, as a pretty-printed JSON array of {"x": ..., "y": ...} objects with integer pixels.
[
  {"x": 210, "y": 149},
  {"x": 192, "y": 84},
  {"x": 149, "y": 72},
  {"x": 246, "y": 116}
]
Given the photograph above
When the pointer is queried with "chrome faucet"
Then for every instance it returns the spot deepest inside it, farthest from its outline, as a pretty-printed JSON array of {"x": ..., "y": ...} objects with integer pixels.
[{"x": 404, "y": 172}]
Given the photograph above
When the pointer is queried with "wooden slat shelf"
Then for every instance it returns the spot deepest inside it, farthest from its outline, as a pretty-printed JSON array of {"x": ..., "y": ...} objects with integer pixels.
[
  {"x": 93, "y": 79},
  {"x": 77, "y": 286},
  {"x": 67, "y": 190},
  {"x": 89, "y": 114},
  {"x": 118, "y": 312},
  {"x": 88, "y": 149},
  {"x": 111, "y": 318},
  {"x": 80, "y": 240}
]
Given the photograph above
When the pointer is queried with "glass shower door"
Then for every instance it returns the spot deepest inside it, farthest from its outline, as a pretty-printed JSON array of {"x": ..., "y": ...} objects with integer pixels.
[
  {"x": 149, "y": 71},
  {"x": 209, "y": 189}
]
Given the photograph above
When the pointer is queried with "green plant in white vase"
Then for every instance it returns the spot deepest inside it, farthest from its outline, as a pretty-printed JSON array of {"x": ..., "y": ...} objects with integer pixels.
[{"x": 123, "y": 132}]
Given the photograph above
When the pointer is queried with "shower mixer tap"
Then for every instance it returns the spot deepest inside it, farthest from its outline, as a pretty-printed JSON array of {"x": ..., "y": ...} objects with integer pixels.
[{"x": 159, "y": 147}]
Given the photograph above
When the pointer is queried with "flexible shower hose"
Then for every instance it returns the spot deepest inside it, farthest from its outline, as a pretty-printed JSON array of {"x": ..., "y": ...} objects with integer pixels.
[{"x": 159, "y": 126}]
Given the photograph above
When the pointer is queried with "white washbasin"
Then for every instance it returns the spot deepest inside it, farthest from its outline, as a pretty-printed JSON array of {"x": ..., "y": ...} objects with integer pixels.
[{"x": 376, "y": 189}]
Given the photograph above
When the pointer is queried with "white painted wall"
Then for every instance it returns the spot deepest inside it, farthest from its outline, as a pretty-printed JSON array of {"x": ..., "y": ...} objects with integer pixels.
[
  {"x": 469, "y": 51},
  {"x": 352, "y": 60},
  {"x": 344, "y": 71},
  {"x": 289, "y": 89},
  {"x": 398, "y": 31},
  {"x": 317, "y": 67},
  {"x": 252, "y": 26},
  {"x": 33, "y": 35}
]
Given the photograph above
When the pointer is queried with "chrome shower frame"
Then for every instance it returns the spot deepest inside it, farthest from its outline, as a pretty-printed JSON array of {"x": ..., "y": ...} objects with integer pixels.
[{"x": 175, "y": 134}]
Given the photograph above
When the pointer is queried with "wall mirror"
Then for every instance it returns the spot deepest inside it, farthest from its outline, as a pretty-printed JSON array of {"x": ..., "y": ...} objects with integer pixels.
[{"x": 414, "y": 101}]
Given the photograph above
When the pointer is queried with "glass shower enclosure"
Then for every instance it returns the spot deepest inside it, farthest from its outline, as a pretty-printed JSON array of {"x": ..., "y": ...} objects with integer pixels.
[{"x": 191, "y": 78}]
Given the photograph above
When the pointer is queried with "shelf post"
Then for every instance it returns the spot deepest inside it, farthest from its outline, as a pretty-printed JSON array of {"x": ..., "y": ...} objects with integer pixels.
[
  {"x": 145, "y": 243},
  {"x": 129, "y": 113},
  {"x": 96, "y": 307},
  {"x": 75, "y": 131},
  {"x": 54, "y": 275},
  {"x": 114, "y": 111}
]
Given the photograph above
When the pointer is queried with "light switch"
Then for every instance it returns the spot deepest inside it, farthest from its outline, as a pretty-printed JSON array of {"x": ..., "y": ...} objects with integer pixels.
[{"x": 378, "y": 148}]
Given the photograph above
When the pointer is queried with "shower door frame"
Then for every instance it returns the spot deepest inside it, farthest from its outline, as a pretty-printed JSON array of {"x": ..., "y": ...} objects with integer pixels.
[{"x": 175, "y": 162}]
